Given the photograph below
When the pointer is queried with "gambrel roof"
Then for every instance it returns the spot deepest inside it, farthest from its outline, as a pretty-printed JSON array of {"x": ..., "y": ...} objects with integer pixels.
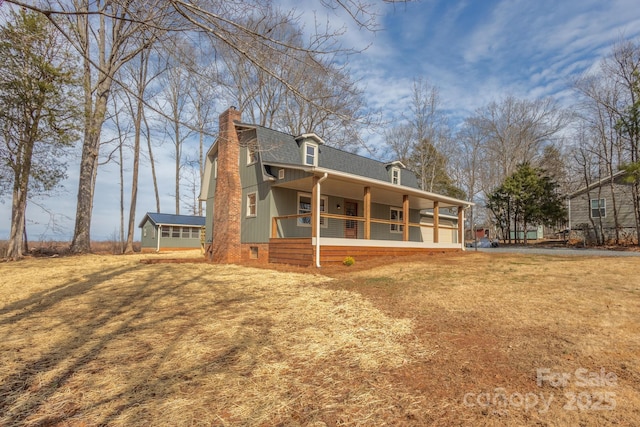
[{"x": 281, "y": 149}]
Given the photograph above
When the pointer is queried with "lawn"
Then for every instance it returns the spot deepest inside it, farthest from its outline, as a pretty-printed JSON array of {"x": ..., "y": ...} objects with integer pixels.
[{"x": 457, "y": 339}]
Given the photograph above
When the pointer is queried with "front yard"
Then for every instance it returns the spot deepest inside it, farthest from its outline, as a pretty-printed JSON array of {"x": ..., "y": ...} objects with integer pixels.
[{"x": 461, "y": 339}]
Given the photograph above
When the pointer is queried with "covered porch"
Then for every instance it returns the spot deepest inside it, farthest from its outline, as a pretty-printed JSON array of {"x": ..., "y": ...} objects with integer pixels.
[{"x": 361, "y": 218}]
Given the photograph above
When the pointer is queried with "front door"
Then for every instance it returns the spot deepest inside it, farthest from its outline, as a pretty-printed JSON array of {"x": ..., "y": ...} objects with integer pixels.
[{"x": 351, "y": 227}]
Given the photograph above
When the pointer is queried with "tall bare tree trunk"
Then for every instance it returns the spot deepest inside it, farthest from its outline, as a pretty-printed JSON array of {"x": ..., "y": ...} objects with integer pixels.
[
  {"x": 18, "y": 209},
  {"x": 88, "y": 170},
  {"x": 139, "y": 113},
  {"x": 153, "y": 164}
]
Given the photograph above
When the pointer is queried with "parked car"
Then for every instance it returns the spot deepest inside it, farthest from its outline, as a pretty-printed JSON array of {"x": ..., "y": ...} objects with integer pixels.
[{"x": 484, "y": 243}]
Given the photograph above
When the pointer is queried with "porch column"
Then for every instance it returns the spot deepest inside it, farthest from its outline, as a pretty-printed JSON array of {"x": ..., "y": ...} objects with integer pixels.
[
  {"x": 367, "y": 213},
  {"x": 461, "y": 226},
  {"x": 274, "y": 227},
  {"x": 436, "y": 222},
  {"x": 405, "y": 218},
  {"x": 314, "y": 208}
]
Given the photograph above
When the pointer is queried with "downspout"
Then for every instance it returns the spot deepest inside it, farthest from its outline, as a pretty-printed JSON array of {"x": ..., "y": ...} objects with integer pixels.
[
  {"x": 159, "y": 234},
  {"x": 325, "y": 176}
]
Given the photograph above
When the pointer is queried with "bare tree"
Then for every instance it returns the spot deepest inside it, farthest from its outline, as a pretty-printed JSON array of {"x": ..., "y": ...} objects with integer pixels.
[
  {"x": 423, "y": 143},
  {"x": 609, "y": 112},
  {"x": 122, "y": 131},
  {"x": 108, "y": 34},
  {"x": 518, "y": 129},
  {"x": 325, "y": 101},
  {"x": 400, "y": 140},
  {"x": 175, "y": 100},
  {"x": 469, "y": 168},
  {"x": 140, "y": 79}
]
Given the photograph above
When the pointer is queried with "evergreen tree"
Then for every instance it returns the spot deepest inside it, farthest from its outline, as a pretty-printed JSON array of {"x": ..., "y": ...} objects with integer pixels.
[
  {"x": 38, "y": 114},
  {"x": 528, "y": 196}
]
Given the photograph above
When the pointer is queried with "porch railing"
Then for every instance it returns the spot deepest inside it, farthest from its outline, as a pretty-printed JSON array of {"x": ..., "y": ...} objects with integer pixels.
[{"x": 345, "y": 226}]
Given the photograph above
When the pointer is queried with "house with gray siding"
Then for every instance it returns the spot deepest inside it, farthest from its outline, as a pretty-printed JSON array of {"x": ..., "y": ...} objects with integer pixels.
[
  {"x": 276, "y": 197},
  {"x": 600, "y": 211},
  {"x": 170, "y": 232}
]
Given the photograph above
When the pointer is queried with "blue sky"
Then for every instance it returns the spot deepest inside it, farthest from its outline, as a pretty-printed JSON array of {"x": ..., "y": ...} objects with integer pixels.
[{"x": 475, "y": 52}]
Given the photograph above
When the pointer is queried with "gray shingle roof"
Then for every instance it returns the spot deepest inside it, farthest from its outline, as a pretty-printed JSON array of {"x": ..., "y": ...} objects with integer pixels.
[
  {"x": 281, "y": 148},
  {"x": 171, "y": 219}
]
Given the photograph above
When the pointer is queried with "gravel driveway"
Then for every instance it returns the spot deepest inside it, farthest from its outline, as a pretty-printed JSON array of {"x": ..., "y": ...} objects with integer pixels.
[{"x": 557, "y": 251}]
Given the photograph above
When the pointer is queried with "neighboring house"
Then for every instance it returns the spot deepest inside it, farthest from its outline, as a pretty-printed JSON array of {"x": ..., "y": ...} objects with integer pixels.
[
  {"x": 170, "y": 232},
  {"x": 275, "y": 197},
  {"x": 593, "y": 210}
]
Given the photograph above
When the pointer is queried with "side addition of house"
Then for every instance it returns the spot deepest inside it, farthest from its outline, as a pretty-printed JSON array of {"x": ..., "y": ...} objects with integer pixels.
[{"x": 280, "y": 198}]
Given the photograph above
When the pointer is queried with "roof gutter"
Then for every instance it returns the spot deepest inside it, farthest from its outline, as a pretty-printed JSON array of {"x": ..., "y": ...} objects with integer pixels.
[
  {"x": 407, "y": 190},
  {"x": 325, "y": 176}
]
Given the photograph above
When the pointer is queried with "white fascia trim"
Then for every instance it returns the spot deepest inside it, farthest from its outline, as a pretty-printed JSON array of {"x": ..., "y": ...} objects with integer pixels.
[
  {"x": 394, "y": 187},
  {"x": 398, "y": 188},
  {"x": 313, "y": 136},
  {"x": 396, "y": 163}
]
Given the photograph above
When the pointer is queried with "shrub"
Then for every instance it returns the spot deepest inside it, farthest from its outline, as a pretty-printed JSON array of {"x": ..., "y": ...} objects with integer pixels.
[{"x": 349, "y": 261}]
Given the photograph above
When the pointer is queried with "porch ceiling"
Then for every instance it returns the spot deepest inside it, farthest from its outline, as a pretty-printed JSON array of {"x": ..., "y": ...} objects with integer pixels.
[{"x": 348, "y": 189}]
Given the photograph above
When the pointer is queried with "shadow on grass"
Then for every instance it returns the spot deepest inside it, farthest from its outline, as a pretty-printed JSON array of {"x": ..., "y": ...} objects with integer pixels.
[{"x": 111, "y": 309}]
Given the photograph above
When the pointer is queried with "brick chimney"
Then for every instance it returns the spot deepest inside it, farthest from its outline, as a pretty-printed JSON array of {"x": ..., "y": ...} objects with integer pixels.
[{"x": 227, "y": 208}]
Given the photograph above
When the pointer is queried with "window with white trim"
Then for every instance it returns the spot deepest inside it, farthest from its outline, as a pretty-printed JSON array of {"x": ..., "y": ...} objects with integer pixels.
[
  {"x": 166, "y": 231},
  {"x": 304, "y": 207},
  {"x": 598, "y": 208},
  {"x": 195, "y": 232},
  {"x": 310, "y": 154},
  {"x": 251, "y": 204},
  {"x": 395, "y": 176},
  {"x": 252, "y": 153},
  {"x": 396, "y": 214}
]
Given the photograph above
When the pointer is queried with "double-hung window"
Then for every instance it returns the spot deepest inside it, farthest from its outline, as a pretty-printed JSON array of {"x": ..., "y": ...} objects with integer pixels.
[
  {"x": 397, "y": 215},
  {"x": 251, "y": 204},
  {"x": 304, "y": 207},
  {"x": 395, "y": 176},
  {"x": 252, "y": 153},
  {"x": 310, "y": 154},
  {"x": 598, "y": 208}
]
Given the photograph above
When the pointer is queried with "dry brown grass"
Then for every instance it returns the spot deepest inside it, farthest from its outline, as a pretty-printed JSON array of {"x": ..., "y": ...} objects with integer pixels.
[
  {"x": 107, "y": 340},
  {"x": 494, "y": 320}
]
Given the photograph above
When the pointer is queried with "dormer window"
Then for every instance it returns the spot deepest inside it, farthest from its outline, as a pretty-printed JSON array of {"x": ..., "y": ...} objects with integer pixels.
[
  {"x": 394, "y": 169},
  {"x": 309, "y": 143},
  {"x": 395, "y": 176},
  {"x": 310, "y": 154}
]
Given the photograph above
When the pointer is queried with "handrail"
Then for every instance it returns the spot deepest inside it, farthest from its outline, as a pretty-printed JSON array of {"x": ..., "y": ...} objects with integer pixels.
[{"x": 275, "y": 219}]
